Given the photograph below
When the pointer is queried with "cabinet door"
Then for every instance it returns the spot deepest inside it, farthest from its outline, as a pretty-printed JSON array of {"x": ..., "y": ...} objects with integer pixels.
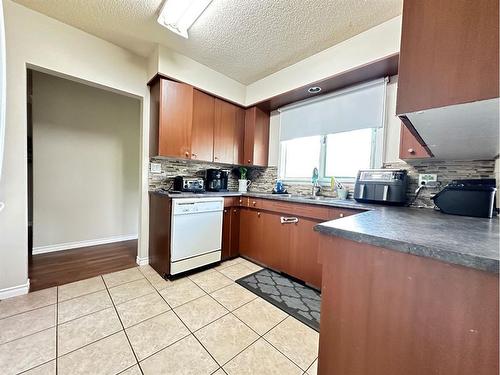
[
  {"x": 449, "y": 53},
  {"x": 251, "y": 228},
  {"x": 224, "y": 131},
  {"x": 176, "y": 117},
  {"x": 226, "y": 234},
  {"x": 303, "y": 255},
  {"x": 202, "y": 137},
  {"x": 274, "y": 247},
  {"x": 239, "y": 137},
  {"x": 256, "y": 137},
  {"x": 234, "y": 250},
  {"x": 409, "y": 147}
]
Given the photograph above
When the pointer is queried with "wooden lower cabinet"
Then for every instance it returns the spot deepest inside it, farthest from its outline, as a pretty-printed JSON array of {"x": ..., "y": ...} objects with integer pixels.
[
  {"x": 303, "y": 252},
  {"x": 230, "y": 232},
  {"x": 273, "y": 246},
  {"x": 251, "y": 230},
  {"x": 384, "y": 312},
  {"x": 160, "y": 208},
  {"x": 290, "y": 247}
]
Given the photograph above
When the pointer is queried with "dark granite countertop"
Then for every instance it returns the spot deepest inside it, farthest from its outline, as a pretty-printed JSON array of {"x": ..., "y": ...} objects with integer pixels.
[{"x": 467, "y": 241}]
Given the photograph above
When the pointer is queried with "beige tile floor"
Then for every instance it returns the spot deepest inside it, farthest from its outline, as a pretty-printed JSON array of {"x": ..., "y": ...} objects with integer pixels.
[{"x": 134, "y": 322}]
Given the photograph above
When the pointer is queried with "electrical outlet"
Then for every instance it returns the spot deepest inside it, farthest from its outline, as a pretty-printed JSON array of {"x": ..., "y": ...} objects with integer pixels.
[
  {"x": 427, "y": 179},
  {"x": 155, "y": 167}
]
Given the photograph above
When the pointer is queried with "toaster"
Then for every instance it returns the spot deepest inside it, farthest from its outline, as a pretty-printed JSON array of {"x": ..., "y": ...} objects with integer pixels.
[{"x": 189, "y": 184}]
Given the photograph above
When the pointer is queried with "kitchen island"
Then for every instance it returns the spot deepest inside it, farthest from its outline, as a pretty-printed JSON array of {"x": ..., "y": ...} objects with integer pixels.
[{"x": 409, "y": 291}]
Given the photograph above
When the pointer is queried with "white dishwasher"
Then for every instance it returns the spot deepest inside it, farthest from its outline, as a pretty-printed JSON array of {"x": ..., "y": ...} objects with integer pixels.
[{"x": 196, "y": 234}]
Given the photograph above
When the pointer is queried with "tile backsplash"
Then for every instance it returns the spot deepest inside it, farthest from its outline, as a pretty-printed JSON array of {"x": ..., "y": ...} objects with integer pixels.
[
  {"x": 446, "y": 171},
  {"x": 178, "y": 167},
  {"x": 263, "y": 179}
]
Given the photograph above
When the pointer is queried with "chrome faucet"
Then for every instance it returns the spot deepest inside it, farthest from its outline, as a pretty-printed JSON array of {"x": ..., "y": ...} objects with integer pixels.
[{"x": 316, "y": 187}]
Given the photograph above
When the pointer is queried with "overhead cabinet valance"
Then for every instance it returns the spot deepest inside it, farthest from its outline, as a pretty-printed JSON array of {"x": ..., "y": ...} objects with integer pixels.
[{"x": 354, "y": 108}]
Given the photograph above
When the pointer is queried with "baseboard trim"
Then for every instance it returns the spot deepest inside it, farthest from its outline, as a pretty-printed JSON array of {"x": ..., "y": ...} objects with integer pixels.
[
  {"x": 15, "y": 290},
  {"x": 142, "y": 261},
  {"x": 77, "y": 244}
]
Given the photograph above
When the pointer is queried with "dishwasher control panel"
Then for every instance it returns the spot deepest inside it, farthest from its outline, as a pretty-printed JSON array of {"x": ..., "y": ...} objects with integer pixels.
[{"x": 182, "y": 206}]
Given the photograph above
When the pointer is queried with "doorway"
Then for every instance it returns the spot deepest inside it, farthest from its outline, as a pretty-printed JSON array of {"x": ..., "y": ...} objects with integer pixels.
[{"x": 83, "y": 180}]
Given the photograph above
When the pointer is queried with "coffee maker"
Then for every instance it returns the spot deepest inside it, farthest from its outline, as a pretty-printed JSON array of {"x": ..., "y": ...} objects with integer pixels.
[{"x": 216, "y": 179}]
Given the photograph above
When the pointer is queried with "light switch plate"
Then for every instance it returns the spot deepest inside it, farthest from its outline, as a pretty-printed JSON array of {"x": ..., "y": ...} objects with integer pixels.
[
  {"x": 427, "y": 179},
  {"x": 155, "y": 167}
]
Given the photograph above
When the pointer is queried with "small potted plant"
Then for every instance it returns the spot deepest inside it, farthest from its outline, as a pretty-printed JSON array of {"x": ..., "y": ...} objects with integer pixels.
[{"x": 243, "y": 183}]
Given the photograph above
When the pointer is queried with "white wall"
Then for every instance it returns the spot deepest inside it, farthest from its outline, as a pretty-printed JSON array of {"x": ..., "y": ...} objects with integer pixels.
[
  {"x": 182, "y": 68},
  {"x": 37, "y": 40},
  {"x": 378, "y": 42},
  {"x": 86, "y": 157}
]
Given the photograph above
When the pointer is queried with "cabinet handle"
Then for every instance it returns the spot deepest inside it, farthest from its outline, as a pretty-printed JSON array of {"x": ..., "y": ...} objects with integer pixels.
[
  {"x": 341, "y": 215},
  {"x": 225, "y": 211},
  {"x": 411, "y": 151},
  {"x": 194, "y": 155},
  {"x": 254, "y": 203},
  {"x": 258, "y": 214},
  {"x": 234, "y": 211},
  {"x": 241, "y": 201},
  {"x": 216, "y": 158},
  {"x": 289, "y": 220},
  {"x": 186, "y": 153},
  {"x": 249, "y": 161}
]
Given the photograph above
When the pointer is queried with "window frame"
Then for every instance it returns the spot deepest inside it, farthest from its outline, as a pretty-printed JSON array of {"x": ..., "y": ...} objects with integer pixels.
[{"x": 375, "y": 160}]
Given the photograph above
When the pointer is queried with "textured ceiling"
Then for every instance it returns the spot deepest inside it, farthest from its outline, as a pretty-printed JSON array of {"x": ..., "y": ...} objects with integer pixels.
[{"x": 243, "y": 39}]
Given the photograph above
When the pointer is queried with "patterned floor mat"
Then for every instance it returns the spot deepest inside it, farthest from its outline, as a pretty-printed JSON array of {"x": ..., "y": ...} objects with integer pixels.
[{"x": 296, "y": 299}]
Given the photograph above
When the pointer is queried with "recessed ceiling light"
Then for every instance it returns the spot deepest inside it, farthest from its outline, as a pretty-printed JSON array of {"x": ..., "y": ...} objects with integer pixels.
[
  {"x": 314, "y": 89},
  {"x": 179, "y": 15}
]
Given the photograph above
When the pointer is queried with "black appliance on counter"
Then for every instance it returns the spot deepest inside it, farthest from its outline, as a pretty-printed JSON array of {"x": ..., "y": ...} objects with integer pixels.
[
  {"x": 474, "y": 197},
  {"x": 388, "y": 186},
  {"x": 216, "y": 179},
  {"x": 189, "y": 184}
]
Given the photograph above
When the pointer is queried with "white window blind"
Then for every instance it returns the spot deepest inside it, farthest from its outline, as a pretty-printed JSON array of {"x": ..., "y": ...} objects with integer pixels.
[{"x": 357, "y": 107}]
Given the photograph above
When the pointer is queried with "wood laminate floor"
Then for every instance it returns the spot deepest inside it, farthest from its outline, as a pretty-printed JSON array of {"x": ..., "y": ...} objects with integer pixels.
[{"x": 63, "y": 267}]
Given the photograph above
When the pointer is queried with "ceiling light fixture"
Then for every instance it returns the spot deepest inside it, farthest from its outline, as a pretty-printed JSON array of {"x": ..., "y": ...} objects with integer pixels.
[
  {"x": 314, "y": 89},
  {"x": 179, "y": 15}
]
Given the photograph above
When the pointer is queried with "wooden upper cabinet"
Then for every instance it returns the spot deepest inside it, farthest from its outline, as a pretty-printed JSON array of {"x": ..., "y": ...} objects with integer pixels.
[
  {"x": 239, "y": 137},
  {"x": 410, "y": 147},
  {"x": 190, "y": 124},
  {"x": 175, "y": 119},
  {"x": 256, "y": 137},
  {"x": 229, "y": 132},
  {"x": 449, "y": 53},
  {"x": 202, "y": 137}
]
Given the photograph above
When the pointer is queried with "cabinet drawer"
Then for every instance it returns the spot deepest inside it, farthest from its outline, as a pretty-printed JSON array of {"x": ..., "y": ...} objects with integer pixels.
[
  {"x": 318, "y": 212},
  {"x": 231, "y": 201}
]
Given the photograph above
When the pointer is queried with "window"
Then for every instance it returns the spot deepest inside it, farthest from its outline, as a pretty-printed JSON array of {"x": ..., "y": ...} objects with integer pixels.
[
  {"x": 339, "y": 133},
  {"x": 338, "y": 155},
  {"x": 301, "y": 156},
  {"x": 348, "y": 152}
]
